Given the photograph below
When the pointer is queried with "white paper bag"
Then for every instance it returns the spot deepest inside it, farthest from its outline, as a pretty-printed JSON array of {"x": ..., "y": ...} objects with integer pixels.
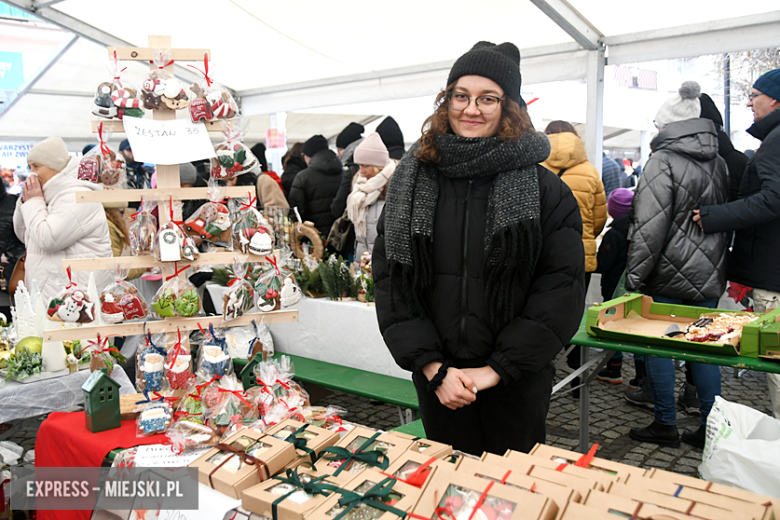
[{"x": 742, "y": 448}]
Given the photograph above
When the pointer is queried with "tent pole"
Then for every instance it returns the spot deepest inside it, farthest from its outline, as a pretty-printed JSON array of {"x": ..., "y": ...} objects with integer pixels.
[{"x": 594, "y": 115}]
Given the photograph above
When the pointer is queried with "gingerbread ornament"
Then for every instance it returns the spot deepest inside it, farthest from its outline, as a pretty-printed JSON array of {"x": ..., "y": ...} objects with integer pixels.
[{"x": 71, "y": 305}]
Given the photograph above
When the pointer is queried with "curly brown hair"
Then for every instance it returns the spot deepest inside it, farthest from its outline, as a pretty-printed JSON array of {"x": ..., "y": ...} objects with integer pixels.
[{"x": 515, "y": 122}]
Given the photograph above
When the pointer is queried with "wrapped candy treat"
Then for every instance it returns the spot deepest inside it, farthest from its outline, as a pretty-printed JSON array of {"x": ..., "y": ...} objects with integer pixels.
[
  {"x": 120, "y": 301},
  {"x": 161, "y": 90},
  {"x": 240, "y": 295},
  {"x": 178, "y": 366},
  {"x": 267, "y": 288},
  {"x": 263, "y": 396},
  {"x": 187, "y": 435},
  {"x": 251, "y": 231},
  {"x": 100, "y": 354},
  {"x": 71, "y": 305},
  {"x": 212, "y": 100},
  {"x": 212, "y": 220},
  {"x": 155, "y": 417},
  {"x": 233, "y": 158},
  {"x": 102, "y": 164},
  {"x": 213, "y": 360},
  {"x": 150, "y": 364},
  {"x": 143, "y": 230},
  {"x": 328, "y": 417},
  {"x": 176, "y": 296},
  {"x": 287, "y": 389},
  {"x": 234, "y": 410},
  {"x": 114, "y": 99},
  {"x": 173, "y": 243}
]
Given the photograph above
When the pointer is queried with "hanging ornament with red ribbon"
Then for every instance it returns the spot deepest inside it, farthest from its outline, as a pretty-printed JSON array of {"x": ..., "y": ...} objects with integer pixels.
[{"x": 71, "y": 304}]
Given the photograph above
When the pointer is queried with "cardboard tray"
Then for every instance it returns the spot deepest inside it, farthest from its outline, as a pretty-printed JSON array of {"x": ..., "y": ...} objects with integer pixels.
[{"x": 637, "y": 319}]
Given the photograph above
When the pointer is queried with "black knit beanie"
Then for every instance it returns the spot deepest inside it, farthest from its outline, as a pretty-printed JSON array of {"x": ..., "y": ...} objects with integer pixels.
[
  {"x": 349, "y": 135},
  {"x": 710, "y": 111},
  {"x": 315, "y": 144},
  {"x": 501, "y": 63}
]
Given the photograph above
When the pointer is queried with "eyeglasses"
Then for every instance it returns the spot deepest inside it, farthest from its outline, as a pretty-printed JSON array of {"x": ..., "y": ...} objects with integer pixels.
[
  {"x": 754, "y": 95},
  {"x": 485, "y": 104}
]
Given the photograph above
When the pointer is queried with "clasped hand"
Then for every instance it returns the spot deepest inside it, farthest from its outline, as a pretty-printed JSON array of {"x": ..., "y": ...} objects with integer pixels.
[{"x": 460, "y": 386}]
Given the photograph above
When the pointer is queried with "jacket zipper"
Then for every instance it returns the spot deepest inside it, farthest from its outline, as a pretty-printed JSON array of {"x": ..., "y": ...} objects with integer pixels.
[{"x": 465, "y": 273}]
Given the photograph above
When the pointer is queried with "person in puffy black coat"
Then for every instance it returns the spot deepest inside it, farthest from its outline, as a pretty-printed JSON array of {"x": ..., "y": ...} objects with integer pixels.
[
  {"x": 11, "y": 248},
  {"x": 293, "y": 163},
  {"x": 736, "y": 161},
  {"x": 478, "y": 263},
  {"x": 313, "y": 189},
  {"x": 669, "y": 257}
]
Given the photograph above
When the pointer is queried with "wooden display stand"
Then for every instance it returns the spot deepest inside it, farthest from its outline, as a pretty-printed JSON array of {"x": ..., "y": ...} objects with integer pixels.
[{"x": 168, "y": 190}]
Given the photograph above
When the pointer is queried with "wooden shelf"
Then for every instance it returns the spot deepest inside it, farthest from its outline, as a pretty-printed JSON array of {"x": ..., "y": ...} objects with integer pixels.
[
  {"x": 169, "y": 325},
  {"x": 236, "y": 192},
  {"x": 147, "y": 54},
  {"x": 98, "y": 264},
  {"x": 118, "y": 127}
]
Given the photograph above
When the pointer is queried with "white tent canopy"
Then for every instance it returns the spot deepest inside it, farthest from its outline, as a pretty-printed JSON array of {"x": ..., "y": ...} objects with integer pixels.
[{"x": 297, "y": 56}]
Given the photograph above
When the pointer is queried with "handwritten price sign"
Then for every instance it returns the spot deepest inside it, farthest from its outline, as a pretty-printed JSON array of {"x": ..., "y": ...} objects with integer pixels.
[{"x": 168, "y": 142}]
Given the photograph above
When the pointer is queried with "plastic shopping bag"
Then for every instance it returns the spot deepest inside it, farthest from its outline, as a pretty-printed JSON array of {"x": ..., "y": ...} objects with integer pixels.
[{"x": 742, "y": 449}]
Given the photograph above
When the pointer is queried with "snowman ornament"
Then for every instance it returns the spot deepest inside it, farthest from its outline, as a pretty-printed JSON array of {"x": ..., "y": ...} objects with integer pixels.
[{"x": 72, "y": 306}]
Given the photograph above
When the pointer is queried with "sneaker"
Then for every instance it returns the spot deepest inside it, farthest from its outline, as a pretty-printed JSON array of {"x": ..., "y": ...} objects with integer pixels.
[
  {"x": 641, "y": 396},
  {"x": 656, "y": 433},
  {"x": 687, "y": 399},
  {"x": 611, "y": 373}
]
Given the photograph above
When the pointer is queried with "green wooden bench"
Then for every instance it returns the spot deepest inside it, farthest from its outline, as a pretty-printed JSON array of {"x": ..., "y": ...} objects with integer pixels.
[
  {"x": 413, "y": 428},
  {"x": 387, "y": 389}
]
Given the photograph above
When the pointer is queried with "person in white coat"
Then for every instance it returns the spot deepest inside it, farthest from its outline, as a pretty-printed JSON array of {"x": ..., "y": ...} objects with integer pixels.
[
  {"x": 53, "y": 226},
  {"x": 367, "y": 199}
]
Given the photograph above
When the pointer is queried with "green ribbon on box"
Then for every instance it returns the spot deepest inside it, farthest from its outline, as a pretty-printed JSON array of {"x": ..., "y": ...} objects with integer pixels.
[
  {"x": 300, "y": 443},
  {"x": 373, "y": 458},
  {"x": 314, "y": 487},
  {"x": 374, "y": 497}
]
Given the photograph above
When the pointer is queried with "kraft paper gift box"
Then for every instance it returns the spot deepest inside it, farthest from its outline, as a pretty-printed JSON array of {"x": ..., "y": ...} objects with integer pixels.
[
  {"x": 757, "y": 511},
  {"x": 451, "y": 495},
  {"x": 681, "y": 505},
  {"x": 247, "y": 458},
  {"x": 575, "y": 511},
  {"x": 622, "y": 506},
  {"x": 425, "y": 446},
  {"x": 579, "y": 479},
  {"x": 362, "y": 448},
  {"x": 310, "y": 440},
  {"x": 621, "y": 471},
  {"x": 370, "y": 495},
  {"x": 719, "y": 489},
  {"x": 295, "y": 493},
  {"x": 415, "y": 468},
  {"x": 558, "y": 493}
]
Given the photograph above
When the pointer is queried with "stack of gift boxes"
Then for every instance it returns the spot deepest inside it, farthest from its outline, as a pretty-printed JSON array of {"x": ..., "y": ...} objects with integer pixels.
[{"x": 296, "y": 471}]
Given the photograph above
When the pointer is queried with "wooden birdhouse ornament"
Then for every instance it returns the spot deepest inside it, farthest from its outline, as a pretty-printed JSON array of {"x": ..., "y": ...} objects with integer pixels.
[{"x": 101, "y": 402}]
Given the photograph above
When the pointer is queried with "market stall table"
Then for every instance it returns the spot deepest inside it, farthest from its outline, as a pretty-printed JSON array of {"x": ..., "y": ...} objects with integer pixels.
[
  {"x": 609, "y": 347},
  {"x": 22, "y": 400}
]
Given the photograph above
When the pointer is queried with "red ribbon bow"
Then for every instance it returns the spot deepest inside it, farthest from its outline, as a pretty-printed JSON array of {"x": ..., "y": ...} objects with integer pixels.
[
  {"x": 70, "y": 279},
  {"x": 238, "y": 393},
  {"x": 272, "y": 261},
  {"x": 103, "y": 146},
  {"x": 201, "y": 386},
  {"x": 250, "y": 204},
  {"x": 176, "y": 349},
  {"x": 178, "y": 271},
  {"x": 209, "y": 81}
]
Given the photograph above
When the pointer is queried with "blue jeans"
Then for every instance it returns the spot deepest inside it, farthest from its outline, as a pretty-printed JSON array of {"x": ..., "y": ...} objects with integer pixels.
[{"x": 660, "y": 376}]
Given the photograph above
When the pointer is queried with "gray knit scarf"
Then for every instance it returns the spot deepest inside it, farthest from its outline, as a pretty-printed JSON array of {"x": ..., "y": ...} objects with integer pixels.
[{"x": 513, "y": 230}]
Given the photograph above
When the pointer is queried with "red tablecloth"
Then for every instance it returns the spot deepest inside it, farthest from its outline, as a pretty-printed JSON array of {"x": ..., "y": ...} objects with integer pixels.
[{"x": 64, "y": 441}]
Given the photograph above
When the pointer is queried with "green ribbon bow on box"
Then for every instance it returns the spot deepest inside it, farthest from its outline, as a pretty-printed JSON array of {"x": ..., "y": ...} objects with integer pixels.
[
  {"x": 300, "y": 443},
  {"x": 314, "y": 487},
  {"x": 374, "y": 497},
  {"x": 373, "y": 458}
]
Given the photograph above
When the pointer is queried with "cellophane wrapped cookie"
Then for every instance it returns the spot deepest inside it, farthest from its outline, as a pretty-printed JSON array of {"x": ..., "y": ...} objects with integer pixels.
[
  {"x": 252, "y": 233},
  {"x": 240, "y": 295},
  {"x": 115, "y": 98},
  {"x": 268, "y": 287},
  {"x": 328, "y": 417},
  {"x": 213, "y": 359},
  {"x": 102, "y": 165},
  {"x": 286, "y": 388},
  {"x": 150, "y": 364},
  {"x": 178, "y": 366},
  {"x": 155, "y": 418},
  {"x": 177, "y": 296},
  {"x": 173, "y": 244},
  {"x": 248, "y": 341},
  {"x": 211, "y": 100},
  {"x": 234, "y": 410},
  {"x": 120, "y": 300},
  {"x": 143, "y": 230},
  {"x": 100, "y": 355},
  {"x": 161, "y": 90},
  {"x": 233, "y": 157},
  {"x": 191, "y": 429},
  {"x": 211, "y": 221},
  {"x": 71, "y": 304}
]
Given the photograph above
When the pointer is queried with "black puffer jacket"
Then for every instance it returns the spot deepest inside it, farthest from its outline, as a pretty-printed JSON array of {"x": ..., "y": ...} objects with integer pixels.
[
  {"x": 314, "y": 188},
  {"x": 546, "y": 318},
  {"x": 669, "y": 254},
  {"x": 294, "y": 166},
  {"x": 10, "y": 245},
  {"x": 756, "y": 214},
  {"x": 612, "y": 256}
]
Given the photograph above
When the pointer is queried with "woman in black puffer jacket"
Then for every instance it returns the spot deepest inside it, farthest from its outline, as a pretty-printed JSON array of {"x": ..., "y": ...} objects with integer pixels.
[
  {"x": 478, "y": 263},
  {"x": 11, "y": 248}
]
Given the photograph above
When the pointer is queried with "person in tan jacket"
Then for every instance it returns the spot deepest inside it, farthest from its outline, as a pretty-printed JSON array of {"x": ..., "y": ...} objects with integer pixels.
[{"x": 569, "y": 161}]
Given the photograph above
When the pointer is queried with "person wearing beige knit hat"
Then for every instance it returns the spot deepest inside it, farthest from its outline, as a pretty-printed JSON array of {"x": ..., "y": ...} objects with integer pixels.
[
  {"x": 367, "y": 199},
  {"x": 52, "y": 225}
]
